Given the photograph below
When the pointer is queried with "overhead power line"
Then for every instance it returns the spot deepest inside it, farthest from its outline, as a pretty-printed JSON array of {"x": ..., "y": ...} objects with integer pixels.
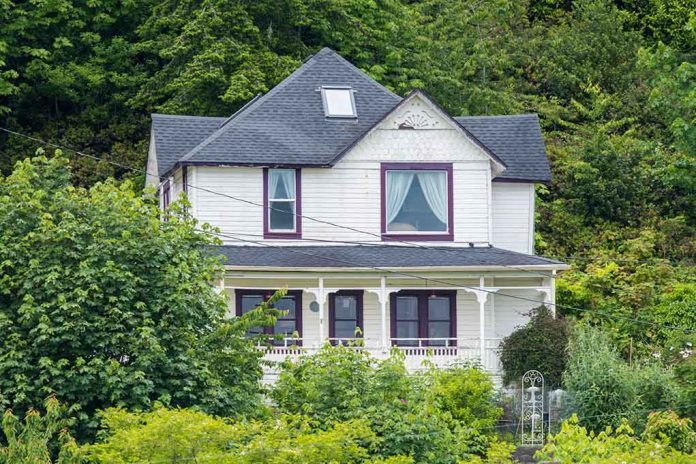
[{"x": 419, "y": 245}]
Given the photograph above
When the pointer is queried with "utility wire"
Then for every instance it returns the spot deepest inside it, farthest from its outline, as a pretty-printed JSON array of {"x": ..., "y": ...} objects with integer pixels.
[
  {"x": 420, "y": 245},
  {"x": 354, "y": 230},
  {"x": 439, "y": 281},
  {"x": 322, "y": 221}
]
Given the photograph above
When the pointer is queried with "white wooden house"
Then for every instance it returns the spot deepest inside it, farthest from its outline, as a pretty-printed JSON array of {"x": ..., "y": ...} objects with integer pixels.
[{"x": 377, "y": 212}]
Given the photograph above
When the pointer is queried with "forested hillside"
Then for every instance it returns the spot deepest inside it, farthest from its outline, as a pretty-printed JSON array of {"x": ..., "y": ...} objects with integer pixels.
[{"x": 613, "y": 82}]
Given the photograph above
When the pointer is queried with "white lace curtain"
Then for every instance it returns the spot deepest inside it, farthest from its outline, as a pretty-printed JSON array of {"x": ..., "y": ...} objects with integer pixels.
[
  {"x": 281, "y": 184},
  {"x": 434, "y": 187}
]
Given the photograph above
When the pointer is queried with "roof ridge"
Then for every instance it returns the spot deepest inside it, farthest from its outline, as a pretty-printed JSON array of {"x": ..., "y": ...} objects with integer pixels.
[
  {"x": 331, "y": 52},
  {"x": 325, "y": 51},
  {"x": 490, "y": 116},
  {"x": 253, "y": 104}
]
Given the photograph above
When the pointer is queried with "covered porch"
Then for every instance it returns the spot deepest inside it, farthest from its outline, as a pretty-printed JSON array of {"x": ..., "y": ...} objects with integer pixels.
[{"x": 438, "y": 317}]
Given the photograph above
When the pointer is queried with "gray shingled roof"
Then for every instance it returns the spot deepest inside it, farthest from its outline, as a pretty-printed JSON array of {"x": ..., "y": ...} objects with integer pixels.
[
  {"x": 287, "y": 126},
  {"x": 380, "y": 256},
  {"x": 177, "y": 135},
  {"x": 517, "y": 140}
]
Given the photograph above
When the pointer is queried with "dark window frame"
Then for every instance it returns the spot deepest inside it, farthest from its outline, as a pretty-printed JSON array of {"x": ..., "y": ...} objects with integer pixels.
[
  {"x": 297, "y": 294},
  {"x": 358, "y": 294},
  {"x": 297, "y": 233},
  {"x": 434, "y": 236},
  {"x": 166, "y": 194},
  {"x": 423, "y": 296}
]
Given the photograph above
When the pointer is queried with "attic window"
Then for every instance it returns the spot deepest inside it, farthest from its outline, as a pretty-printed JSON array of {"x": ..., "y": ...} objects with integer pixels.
[{"x": 338, "y": 102}]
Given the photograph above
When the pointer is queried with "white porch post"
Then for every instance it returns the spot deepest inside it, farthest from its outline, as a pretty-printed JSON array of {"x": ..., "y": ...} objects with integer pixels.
[
  {"x": 321, "y": 299},
  {"x": 481, "y": 298},
  {"x": 552, "y": 297},
  {"x": 383, "y": 309}
]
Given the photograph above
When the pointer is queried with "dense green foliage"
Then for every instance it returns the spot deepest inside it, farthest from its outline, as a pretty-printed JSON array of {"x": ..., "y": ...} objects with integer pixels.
[
  {"x": 574, "y": 444},
  {"x": 417, "y": 415},
  {"x": 606, "y": 390},
  {"x": 540, "y": 345},
  {"x": 613, "y": 82},
  {"x": 103, "y": 303},
  {"x": 174, "y": 436},
  {"x": 667, "y": 426},
  {"x": 38, "y": 437}
]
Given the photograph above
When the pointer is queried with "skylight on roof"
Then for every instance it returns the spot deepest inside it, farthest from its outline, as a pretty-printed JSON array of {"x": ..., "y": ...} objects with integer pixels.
[{"x": 338, "y": 102}]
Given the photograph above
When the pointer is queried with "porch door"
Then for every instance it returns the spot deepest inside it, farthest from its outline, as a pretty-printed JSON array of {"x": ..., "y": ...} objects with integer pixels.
[
  {"x": 345, "y": 316},
  {"x": 426, "y": 315}
]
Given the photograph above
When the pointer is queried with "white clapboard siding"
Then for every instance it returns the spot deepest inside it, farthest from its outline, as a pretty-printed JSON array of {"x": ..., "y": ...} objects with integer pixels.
[
  {"x": 513, "y": 216},
  {"x": 348, "y": 197},
  {"x": 511, "y": 313}
]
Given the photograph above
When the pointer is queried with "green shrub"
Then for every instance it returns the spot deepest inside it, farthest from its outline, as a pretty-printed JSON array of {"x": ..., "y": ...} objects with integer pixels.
[
  {"x": 540, "y": 345},
  {"x": 468, "y": 394},
  {"x": 574, "y": 444},
  {"x": 178, "y": 435},
  {"x": 605, "y": 389},
  {"x": 408, "y": 413},
  {"x": 669, "y": 427},
  {"x": 38, "y": 437}
]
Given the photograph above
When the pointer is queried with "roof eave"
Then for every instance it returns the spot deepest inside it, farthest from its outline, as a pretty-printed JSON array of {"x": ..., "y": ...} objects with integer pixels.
[{"x": 508, "y": 268}]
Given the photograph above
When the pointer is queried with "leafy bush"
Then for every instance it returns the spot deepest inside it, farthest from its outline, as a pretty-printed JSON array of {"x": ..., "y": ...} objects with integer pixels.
[
  {"x": 604, "y": 388},
  {"x": 540, "y": 345},
  {"x": 39, "y": 437},
  {"x": 668, "y": 427},
  {"x": 105, "y": 304},
  {"x": 468, "y": 395},
  {"x": 408, "y": 413},
  {"x": 575, "y": 444},
  {"x": 173, "y": 436}
]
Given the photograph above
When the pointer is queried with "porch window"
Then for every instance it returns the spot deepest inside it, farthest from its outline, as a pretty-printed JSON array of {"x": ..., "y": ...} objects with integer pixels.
[
  {"x": 282, "y": 203},
  {"x": 286, "y": 325},
  {"x": 345, "y": 315},
  {"x": 423, "y": 318},
  {"x": 417, "y": 201}
]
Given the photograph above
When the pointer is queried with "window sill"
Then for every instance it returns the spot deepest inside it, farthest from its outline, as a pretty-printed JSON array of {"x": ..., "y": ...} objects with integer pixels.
[
  {"x": 418, "y": 237},
  {"x": 282, "y": 235}
]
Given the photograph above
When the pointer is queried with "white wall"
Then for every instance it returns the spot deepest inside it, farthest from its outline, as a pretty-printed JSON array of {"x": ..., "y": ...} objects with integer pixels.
[{"x": 513, "y": 216}]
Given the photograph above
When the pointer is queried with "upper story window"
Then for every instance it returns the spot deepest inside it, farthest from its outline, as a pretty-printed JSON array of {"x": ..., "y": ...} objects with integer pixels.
[
  {"x": 338, "y": 102},
  {"x": 417, "y": 201},
  {"x": 282, "y": 203}
]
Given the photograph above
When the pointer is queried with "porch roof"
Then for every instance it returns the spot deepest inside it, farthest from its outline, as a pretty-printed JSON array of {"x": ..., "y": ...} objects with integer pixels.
[{"x": 379, "y": 256}]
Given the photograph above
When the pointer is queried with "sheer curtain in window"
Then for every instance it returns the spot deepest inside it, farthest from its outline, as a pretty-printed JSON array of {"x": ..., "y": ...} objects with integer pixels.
[
  {"x": 398, "y": 186},
  {"x": 434, "y": 186}
]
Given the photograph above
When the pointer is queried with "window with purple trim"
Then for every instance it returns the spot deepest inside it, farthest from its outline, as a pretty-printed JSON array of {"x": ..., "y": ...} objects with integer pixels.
[
  {"x": 166, "y": 188},
  {"x": 345, "y": 316},
  {"x": 282, "y": 203},
  {"x": 286, "y": 325},
  {"x": 417, "y": 201},
  {"x": 423, "y": 318}
]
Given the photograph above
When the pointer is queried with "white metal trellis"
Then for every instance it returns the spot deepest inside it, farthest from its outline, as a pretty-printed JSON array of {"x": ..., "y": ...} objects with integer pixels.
[{"x": 532, "y": 408}]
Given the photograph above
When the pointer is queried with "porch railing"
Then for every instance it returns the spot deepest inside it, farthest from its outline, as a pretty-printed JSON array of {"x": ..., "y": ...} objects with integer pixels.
[{"x": 439, "y": 351}]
